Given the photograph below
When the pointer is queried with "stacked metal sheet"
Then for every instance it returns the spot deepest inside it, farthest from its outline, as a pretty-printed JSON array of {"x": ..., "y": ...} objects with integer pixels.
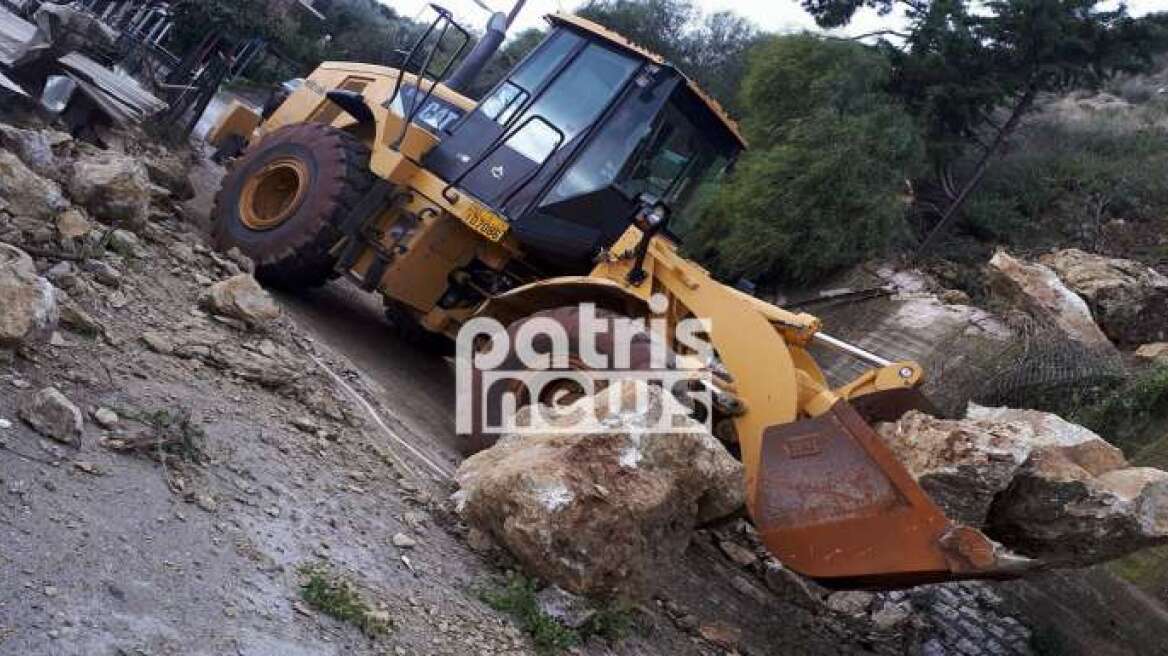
[
  {"x": 16, "y": 37},
  {"x": 117, "y": 94}
]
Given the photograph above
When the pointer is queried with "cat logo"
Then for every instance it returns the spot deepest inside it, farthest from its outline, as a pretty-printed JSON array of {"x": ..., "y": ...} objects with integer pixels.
[{"x": 498, "y": 172}]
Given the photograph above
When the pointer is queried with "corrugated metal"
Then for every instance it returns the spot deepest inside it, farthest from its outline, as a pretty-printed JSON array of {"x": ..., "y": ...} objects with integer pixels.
[
  {"x": 8, "y": 84},
  {"x": 119, "y": 95},
  {"x": 15, "y": 36}
]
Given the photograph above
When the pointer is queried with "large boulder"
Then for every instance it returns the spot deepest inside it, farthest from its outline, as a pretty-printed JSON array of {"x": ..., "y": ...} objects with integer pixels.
[
  {"x": 113, "y": 187},
  {"x": 27, "y": 193},
  {"x": 1129, "y": 299},
  {"x": 1044, "y": 487},
  {"x": 241, "y": 297},
  {"x": 1037, "y": 290},
  {"x": 28, "y": 306},
  {"x": 601, "y": 513}
]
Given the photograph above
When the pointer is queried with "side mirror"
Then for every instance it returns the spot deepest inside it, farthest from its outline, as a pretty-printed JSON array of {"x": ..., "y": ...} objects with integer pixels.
[
  {"x": 651, "y": 218},
  {"x": 652, "y": 214}
]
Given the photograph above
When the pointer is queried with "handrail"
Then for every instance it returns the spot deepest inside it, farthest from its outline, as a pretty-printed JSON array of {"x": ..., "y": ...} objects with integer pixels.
[
  {"x": 446, "y": 20},
  {"x": 493, "y": 148}
]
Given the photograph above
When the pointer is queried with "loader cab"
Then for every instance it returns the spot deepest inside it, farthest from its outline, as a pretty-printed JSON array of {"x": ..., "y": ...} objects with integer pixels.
[{"x": 567, "y": 143}]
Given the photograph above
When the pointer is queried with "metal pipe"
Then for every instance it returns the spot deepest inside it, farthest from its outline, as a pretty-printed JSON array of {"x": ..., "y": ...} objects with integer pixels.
[
  {"x": 850, "y": 349},
  {"x": 464, "y": 77}
]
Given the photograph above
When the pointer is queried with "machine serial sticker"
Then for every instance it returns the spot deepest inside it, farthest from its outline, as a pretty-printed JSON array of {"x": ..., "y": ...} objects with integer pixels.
[{"x": 486, "y": 223}]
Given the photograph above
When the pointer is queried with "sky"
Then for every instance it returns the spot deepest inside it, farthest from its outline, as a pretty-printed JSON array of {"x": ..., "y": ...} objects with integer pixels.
[{"x": 770, "y": 15}]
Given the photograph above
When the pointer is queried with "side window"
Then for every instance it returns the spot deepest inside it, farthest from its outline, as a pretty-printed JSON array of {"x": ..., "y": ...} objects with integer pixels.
[{"x": 674, "y": 149}]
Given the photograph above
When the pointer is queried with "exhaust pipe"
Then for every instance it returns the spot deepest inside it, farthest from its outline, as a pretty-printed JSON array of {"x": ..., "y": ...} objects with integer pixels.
[{"x": 469, "y": 69}]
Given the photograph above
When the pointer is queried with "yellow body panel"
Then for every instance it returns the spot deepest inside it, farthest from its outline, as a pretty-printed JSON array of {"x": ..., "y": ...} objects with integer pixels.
[{"x": 237, "y": 120}]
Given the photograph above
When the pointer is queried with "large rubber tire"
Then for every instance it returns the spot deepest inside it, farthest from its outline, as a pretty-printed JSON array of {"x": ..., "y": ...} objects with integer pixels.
[
  {"x": 295, "y": 253},
  {"x": 490, "y": 401}
]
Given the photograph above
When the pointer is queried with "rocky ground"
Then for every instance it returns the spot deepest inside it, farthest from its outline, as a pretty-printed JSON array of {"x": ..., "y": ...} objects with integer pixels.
[{"x": 180, "y": 456}]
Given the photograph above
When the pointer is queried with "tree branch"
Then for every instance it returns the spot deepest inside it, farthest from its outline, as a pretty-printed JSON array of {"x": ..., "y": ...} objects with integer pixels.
[
  {"x": 876, "y": 33},
  {"x": 1023, "y": 105}
]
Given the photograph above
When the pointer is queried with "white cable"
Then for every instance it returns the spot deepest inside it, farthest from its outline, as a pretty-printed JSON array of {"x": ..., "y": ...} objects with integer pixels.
[{"x": 377, "y": 418}]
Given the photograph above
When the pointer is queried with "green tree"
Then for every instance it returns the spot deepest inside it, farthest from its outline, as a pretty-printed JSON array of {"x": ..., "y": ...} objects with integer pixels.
[
  {"x": 821, "y": 187},
  {"x": 956, "y": 68}
]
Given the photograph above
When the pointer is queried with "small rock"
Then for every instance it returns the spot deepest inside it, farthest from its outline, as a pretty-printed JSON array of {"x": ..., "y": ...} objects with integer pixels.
[
  {"x": 851, "y": 602},
  {"x": 72, "y": 224},
  {"x": 57, "y": 341},
  {"x": 891, "y": 616},
  {"x": 570, "y": 610},
  {"x": 5, "y": 424},
  {"x": 158, "y": 342},
  {"x": 53, "y": 415},
  {"x": 739, "y": 554},
  {"x": 479, "y": 541},
  {"x": 27, "y": 193},
  {"x": 28, "y": 303},
  {"x": 106, "y": 418},
  {"x": 723, "y": 635},
  {"x": 124, "y": 242},
  {"x": 955, "y": 297},
  {"x": 118, "y": 300},
  {"x": 103, "y": 273},
  {"x": 244, "y": 262},
  {"x": 62, "y": 274},
  {"x": 241, "y": 297},
  {"x": 181, "y": 252},
  {"x": 79, "y": 321},
  {"x": 274, "y": 511},
  {"x": 206, "y": 502},
  {"x": 302, "y": 609},
  {"x": 1156, "y": 353},
  {"x": 403, "y": 541},
  {"x": 305, "y": 424},
  {"x": 87, "y": 467},
  {"x": 202, "y": 279}
]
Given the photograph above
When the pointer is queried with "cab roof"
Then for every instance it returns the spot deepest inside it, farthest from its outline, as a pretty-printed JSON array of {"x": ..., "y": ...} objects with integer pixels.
[{"x": 625, "y": 44}]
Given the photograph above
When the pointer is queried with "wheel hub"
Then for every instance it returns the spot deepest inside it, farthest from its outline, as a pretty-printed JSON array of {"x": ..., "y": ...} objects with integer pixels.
[{"x": 272, "y": 196}]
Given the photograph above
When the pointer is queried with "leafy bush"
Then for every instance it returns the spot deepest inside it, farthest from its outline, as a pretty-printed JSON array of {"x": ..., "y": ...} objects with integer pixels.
[
  {"x": 338, "y": 599},
  {"x": 1064, "y": 179},
  {"x": 822, "y": 187},
  {"x": 1126, "y": 415},
  {"x": 612, "y": 622}
]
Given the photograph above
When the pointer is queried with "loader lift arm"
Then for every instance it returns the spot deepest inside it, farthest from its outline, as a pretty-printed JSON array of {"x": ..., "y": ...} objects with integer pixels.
[{"x": 827, "y": 497}]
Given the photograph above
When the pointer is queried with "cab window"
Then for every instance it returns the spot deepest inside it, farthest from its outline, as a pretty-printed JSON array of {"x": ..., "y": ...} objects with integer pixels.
[
  {"x": 510, "y": 96},
  {"x": 573, "y": 101}
]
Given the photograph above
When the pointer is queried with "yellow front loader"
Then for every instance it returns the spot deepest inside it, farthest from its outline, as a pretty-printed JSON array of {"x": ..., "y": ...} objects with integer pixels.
[{"x": 574, "y": 181}]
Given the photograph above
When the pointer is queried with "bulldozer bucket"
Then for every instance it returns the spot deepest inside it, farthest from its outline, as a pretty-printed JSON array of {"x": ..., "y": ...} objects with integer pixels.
[{"x": 833, "y": 503}]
